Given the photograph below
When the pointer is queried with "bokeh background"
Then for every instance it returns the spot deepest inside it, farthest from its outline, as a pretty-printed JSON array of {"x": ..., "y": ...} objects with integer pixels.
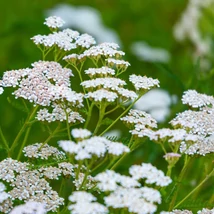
[{"x": 164, "y": 39}]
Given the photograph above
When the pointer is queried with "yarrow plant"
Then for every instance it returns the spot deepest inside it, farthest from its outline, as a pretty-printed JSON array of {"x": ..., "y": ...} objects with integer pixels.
[{"x": 75, "y": 91}]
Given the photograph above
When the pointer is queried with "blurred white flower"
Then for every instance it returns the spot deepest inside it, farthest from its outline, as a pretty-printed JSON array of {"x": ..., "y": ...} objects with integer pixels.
[
  {"x": 157, "y": 102},
  {"x": 85, "y": 19},
  {"x": 147, "y": 53},
  {"x": 188, "y": 27}
]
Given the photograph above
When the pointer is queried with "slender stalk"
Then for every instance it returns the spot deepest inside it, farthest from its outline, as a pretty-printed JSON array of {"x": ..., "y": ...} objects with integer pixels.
[
  {"x": 118, "y": 161},
  {"x": 199, "y": 185},
  {"x": 169, "y": 170},
  {"x": 176, "y": 187},
  {"x": 50, "y": 136},
  {"x": 24, "y": 142},
  {"x": 81, "y": 80},
  {"x": 100, "y": 164},
  {"x": 124, "y": 155},
  {"x": 61, "y": 191},
  {"x": 110, "y": 111},
  {"x": 67, "y": 125},
  {"x": 115, "y": 121},
  {"x": 101, "y": 116},
  {"x": 89, "y": 115},
  {"x": 22, "y": 129},
  {"x": 4, "y": 140}
]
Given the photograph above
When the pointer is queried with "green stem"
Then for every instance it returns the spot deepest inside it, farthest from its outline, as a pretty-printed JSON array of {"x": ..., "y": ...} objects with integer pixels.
[
  {"x": 81, "y": 80},
  {"x": 118, "y": 161},
  {"x": 67, "y": 125},
  {"x": 22, "y": 129},
  {"x": 115, "y": 121},
  {"x": 110, "y": 111},
  {"x": 61, "y": 191},
  {"x": 50, "y": 136},
  {"x": 100, "y": 164},
  {"x": 101, "y": 116},
  {"x": 124, "y": 155},
  {"x": 169, "y": 170},
  {"x": 78, "y": 169},
  {"x": 24, "y": 142},
  {"x": 199, "y": 185},
  {"x": 89, "y": 115},
  {"x": 4, "y": 140},
  {"x": 178, "y": 183}
]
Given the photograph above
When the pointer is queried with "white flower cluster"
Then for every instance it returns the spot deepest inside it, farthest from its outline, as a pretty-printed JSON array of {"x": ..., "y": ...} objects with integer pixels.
[
  {"x": 139, "y": 120},
  {"x": 30, "y": 207},
  {"x": 94, "y": 146},
  {"x": 150, "y": 173},
  {"x": 3, "y": 194},
  {"x": 140, "y": 123},
  {"x": 80, "y": 133},
  {"x": 206, "y": 211},
  {"x": 203, "y": 211},
  {"x": 9, "y": 168},
  {"x": 196, "y": 100},
  {"x": 38, "y": 150},
  {"x": 102, "y": 95},
  {"x": 136, "y": 200},
  {"x": 54, "y": 22},
  {"x": 110, "y": 181},
  {"x": 127, "y": 192},
  {"x": 143, "y": 83},
  {"x": 27, "y": 185},
  {"x": 45, "y": 83},
  {"x": 59, "y": 114},
  {"x": 66, "y": 39},
  {"x": 100, "y": 72},
  {"x": 193, "y": 130},
  {"x": 85, "y": 203},
  {"x": 105, "y": 49},
  {"x": 118, "y": 63},
  {"x": 106, "y": 83},
  {"x": 111, "y": 88},
  {"x": 85, "y": 40},
  {"x": 104, "y": 86},
  {"x": 177, "y": 212},
  {"x": 197, "y": 122}
]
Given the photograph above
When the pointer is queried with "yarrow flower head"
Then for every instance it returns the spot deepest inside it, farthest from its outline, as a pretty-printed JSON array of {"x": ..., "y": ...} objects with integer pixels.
[
  {"x": 139, "y": 120},
  {"x": 84, "y": 203},
  {"x": 54, "y": 22},
  {"x": 3, "y": 194},
  {"x": 196, "y": 100},
  {"x": 94, "y": 146},
  {"x": 38, "y": 150},
  {"x": 143, "y": 83},
  {"x": 126, "y": 192},
  {"x": 25, "y": 183},
  {"x": 30, "y": 207},
  {"x": 100, "y": 72},
  {"x": 80, "y": 133},
  {"x": 150, "y": 173}
]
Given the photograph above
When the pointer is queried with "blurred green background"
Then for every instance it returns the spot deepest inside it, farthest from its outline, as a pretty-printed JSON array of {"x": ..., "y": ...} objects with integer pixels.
[{"x": 149, "y": 20}]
